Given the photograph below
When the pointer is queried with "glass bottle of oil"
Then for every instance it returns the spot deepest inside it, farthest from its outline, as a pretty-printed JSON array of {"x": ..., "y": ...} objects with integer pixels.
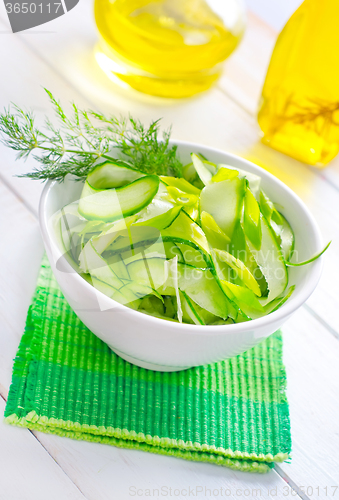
[
  {"x": 299, "y": 110},
  {"x": 169, "y": 48}
]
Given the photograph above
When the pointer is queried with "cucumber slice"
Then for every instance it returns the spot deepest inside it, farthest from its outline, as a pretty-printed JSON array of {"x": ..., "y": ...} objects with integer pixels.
[
  {"x": 170, "y": 306},
  {"x": 91, "y": 262},
  {"x": 141, "y": 290},
  {"x": 103, "y": 287},
  {"x": 224, "y": 174},
  {"x": 172, "y": 250},
  {"x": 268, "y": 209},
  {"x": 172, "y": 273},
  {"x": 251, "y": 220},
  {"x": 113, "y": 204},
  {"x": 245, "y": 299},
  {"x": 252, "y": 179},
  {"x": 203, "y": 172},
  {"x": 199, "y": 284},
  {"x": 215, "y": 236},
  {"x": 152, "y": 304},
  {"x": 160, "y": 249},
  {"x": 279, "y": 301},
  {"x": 160, "y": 205},
  {"x": 311, "y": 259},
  {"x": 127, "y": 297},
  {"x": 271, "y": 262},
  {"x": 160, "y": 221},
  {"x": 134, "y": 240},
  {"x": 112, "y": 175},
  {"x": 181, "y": 198},
  {"x": 181, "y": 184},
  {"x": 239, "y": 267},
  {"x": 193, "y": 313},
  {"x": 185, "y": 229},
  {"x": 113, "y": 231},
  {"x": 223, "y": 200},
  {"x": 285, "y": 236},
  {"x": 149, "y": 272},
  {"x": 118, "y": 266},
  {"x": 193, "y": 256},
  {"x": 190, "y": 174},
  {"x": 189, "y": 312}
]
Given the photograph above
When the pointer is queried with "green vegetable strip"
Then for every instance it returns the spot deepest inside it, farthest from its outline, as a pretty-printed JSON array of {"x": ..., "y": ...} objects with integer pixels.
[{"x": 312, "y": 259}]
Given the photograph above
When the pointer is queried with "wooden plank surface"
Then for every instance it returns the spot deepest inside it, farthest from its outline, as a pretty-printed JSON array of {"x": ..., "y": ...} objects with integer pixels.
[
  {"x": 224, "y": 118},
  {"x": 28, "y": 471}
]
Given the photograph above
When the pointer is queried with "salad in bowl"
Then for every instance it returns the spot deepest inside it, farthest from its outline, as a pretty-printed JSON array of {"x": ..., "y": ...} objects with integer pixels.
[{"x": 173, "y": 253}]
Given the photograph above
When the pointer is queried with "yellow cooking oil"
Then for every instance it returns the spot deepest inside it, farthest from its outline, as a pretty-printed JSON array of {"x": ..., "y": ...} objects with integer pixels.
[
  {"x": 168, "y": 48},
  {"x": 299, "y": 109}
]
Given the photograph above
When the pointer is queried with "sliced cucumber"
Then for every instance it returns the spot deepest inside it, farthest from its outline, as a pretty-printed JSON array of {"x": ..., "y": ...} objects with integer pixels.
[
  {"x": 271, "y": 262},
  {"x": 159, "y": 205},
  {"x": 285, "y": 236},
  {"x": 203, "y": 172},
  {"x": 172, "y": 250},
  {"x": 149, "y": 272},
  {"x": 190, "y": 313},
  {"x": 251, "y": 222},
  {"x": 193, "y": 255},
  {"x": 151, "y": 304},
  {"x": 224, "y": 174},
  {"x": 245, "y": 299},
  {"x": 141, "y": 290},
  {"x": 268, "y": 209},
  {"x": 252, "y": 179},
  {"x": 162, "y": 221},
  {"x": 239, "y": 267},
  {"x": 223, "y": 200},
  {"x": 190, "y": 175},
  {"x": 102, "y": 241},
  {"x": 214, "y": 234},
  {"x": 210, "y": 251},
  {"x": 185, "y": 228},
  {"x": 103, "y": 287},
  {"x": 181, "y": 184},
  {"x": 126, "y": 296},
  {"x": 179, "y": 197},
  {"x": 199, "y": 284},
  {"x": 275, "y": 304},
  {"x": 311, "y": 259},
  {"x": 113, "y": 204},
  {"x": 172, "y": 273},
  {"x": 91, "y": 262},
  {"x": 170, "y": 306},
  {"x": 118, "y": 266},
  {"x": 112, "y": 175}
]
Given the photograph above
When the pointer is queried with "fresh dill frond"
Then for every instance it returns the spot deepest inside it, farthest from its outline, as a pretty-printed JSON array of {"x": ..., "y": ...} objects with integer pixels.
[{"x": 83, "y": 138}]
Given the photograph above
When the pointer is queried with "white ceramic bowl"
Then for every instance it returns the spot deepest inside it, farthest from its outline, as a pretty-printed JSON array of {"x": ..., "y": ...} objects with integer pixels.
[{"x": 163, "y": 345}]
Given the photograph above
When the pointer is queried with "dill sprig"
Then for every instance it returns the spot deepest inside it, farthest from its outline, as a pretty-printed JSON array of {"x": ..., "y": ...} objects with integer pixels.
[{"x": 84, "y": 138}]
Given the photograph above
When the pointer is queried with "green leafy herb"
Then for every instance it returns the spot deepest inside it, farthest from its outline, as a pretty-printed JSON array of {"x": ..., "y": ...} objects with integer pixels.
[{"x": 84, "y": 138}]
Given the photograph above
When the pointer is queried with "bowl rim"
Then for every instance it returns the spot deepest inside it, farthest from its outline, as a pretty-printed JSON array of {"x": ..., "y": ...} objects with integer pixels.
[{"x": 288, "y": 308}]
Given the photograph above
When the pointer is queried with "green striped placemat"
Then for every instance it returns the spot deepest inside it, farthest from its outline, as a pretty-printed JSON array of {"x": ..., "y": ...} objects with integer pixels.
[{"x": 68, "y": 382}]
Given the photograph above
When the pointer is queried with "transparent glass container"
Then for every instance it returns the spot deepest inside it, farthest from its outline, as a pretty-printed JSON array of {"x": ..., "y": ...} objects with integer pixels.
[
  {"x": 299, "y": 110},
  {"x": 168, "y": 48}
]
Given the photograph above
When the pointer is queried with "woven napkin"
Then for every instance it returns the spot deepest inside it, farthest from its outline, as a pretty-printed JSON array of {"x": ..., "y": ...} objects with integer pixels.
[{"x": 68, "y": 382}]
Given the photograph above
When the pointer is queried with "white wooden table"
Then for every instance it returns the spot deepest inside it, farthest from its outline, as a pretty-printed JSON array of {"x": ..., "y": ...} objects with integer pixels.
[{"x": 38, "y": 466}]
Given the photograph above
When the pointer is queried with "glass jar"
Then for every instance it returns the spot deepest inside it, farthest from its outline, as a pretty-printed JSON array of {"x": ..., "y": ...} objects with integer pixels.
[{"x": 168, "y": 48}]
